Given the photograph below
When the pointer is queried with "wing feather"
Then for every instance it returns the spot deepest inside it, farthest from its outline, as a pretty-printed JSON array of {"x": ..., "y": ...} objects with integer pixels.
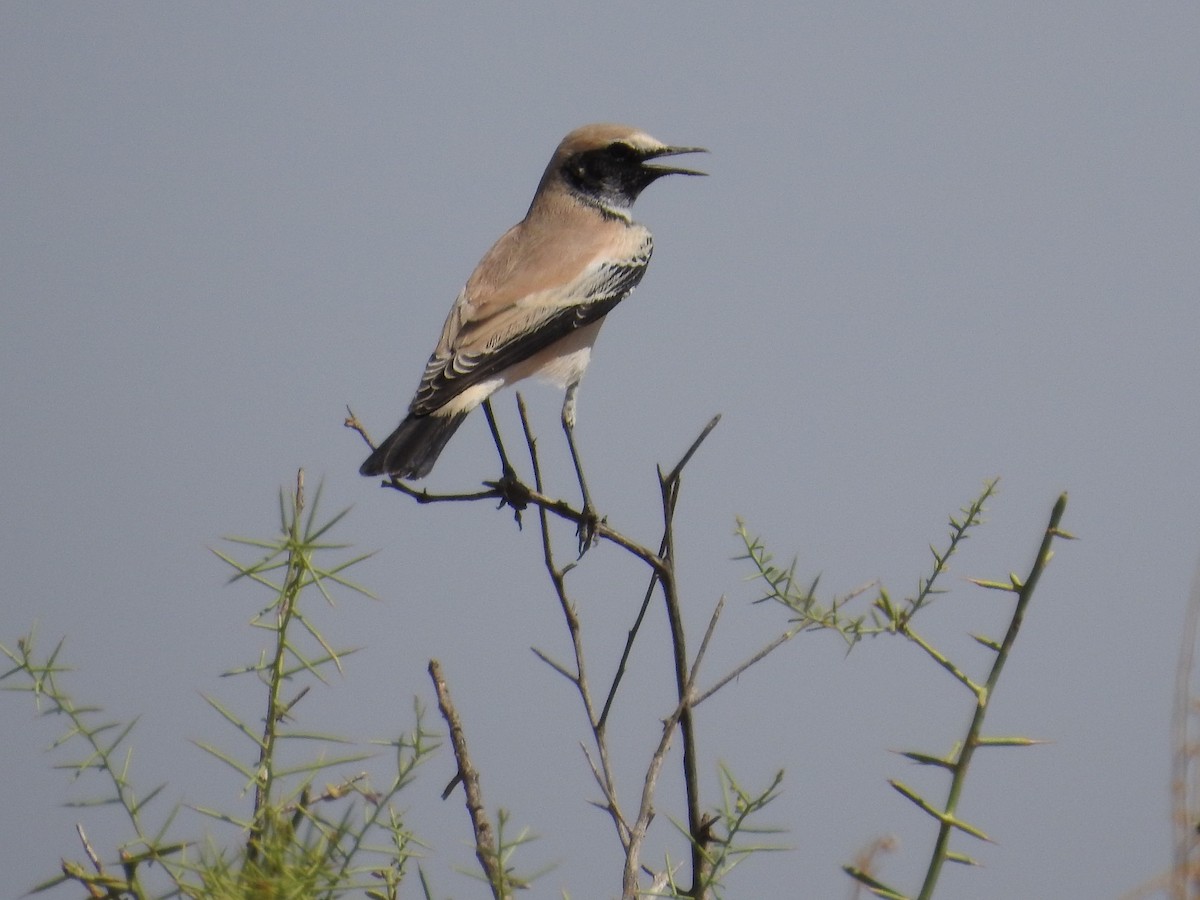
[{"x": 481, "y": 348}]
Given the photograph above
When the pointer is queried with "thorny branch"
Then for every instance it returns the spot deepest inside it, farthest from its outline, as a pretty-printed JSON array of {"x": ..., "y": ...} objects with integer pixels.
[{"x": 511, "y": 491}]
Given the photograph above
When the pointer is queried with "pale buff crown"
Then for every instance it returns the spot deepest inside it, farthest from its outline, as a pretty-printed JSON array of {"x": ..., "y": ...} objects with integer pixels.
[{"x": 601, "y": 134}]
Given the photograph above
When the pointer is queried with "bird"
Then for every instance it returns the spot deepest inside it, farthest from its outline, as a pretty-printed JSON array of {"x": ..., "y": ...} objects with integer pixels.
[{"x": 536, "y": 300}]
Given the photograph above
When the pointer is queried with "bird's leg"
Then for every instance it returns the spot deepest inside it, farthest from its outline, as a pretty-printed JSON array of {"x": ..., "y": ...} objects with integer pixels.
[
  {"x": 512, "y": 492},
  {"x": 507, "y": 472},
  {"x": 588, "y": 519}
]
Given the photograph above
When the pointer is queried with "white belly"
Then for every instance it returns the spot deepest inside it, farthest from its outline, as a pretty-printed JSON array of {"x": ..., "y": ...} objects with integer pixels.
[{"x": 562, "y": 364}]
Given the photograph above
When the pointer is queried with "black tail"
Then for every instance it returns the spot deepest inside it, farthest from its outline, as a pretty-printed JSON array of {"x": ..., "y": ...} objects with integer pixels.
[{"x": 411, "y": 450}]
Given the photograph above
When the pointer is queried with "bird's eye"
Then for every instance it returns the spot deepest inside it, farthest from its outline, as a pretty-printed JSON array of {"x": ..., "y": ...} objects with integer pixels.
[{"x": 622, "y": 151}]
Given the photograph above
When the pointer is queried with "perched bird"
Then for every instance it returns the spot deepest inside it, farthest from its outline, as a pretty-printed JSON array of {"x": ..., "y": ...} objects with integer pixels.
[{"x": 535, "y": 302}]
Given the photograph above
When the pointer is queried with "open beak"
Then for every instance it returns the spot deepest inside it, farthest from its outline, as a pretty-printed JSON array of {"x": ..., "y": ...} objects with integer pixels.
[{"x": 672, "y": 170}]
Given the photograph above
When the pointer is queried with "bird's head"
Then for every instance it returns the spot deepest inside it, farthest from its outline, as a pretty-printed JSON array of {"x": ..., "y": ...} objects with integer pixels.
[{"x": 610, "y": 165}]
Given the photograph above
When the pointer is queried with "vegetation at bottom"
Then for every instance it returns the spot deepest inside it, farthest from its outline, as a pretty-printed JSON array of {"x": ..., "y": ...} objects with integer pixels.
[{"x": 286, "y": 833}]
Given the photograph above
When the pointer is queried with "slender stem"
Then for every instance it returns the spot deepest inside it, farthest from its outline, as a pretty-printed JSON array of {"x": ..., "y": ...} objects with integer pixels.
[
  {"x": 758, "y": 657},
  {"x": 604, "y": 774},
  {"x": 265, "y": 772},
  {"x": 637, "y": 834},
  {"x": 485, "y": 842},
  {"x": 630, "y": 638},
  {"x": 662, "y": 549},
  {"x": 941, "y": 659},
  {"x": 958, "y": 532},
  {"x": 691, "y": 776},
  {"x": 958, "y": 779}
]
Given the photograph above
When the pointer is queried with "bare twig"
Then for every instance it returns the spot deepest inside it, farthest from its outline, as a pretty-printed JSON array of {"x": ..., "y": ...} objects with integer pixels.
[
  {"x": 662, "y": 573},
  {"x": 352, "y": 422},
  {"x": 423, "y": 496},
  {"x": 603, "y": 772},
  {"x": 739, "y": 669},
  {"x": 698, "y": 831},
  {"x": 662, "y": 550},
  {"x": 485, "y": 841},
  {"x": 699, "y": 826},
  {"x": 630, "y": 638},
  {"x": 677, "y": 472},
  {"x": 704, "y": 642},
  {"x": 513, "y": 492},
  {"x": 89, "y": 849},
  {"x": 637, "y": 834},
  {"x": 604, "y": 781}
]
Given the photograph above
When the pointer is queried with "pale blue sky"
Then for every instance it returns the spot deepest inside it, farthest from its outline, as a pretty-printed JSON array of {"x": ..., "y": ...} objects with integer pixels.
[{"x": 940, "y": 242}]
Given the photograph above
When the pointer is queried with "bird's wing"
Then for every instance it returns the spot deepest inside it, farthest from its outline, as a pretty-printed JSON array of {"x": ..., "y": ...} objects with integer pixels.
[{"x": 529, "y": 291}]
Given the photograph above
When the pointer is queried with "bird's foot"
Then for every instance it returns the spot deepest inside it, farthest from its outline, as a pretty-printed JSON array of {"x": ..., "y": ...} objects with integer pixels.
[
  {"x": 589, "y": 522},
  {"x": 511, "y": 491}
]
